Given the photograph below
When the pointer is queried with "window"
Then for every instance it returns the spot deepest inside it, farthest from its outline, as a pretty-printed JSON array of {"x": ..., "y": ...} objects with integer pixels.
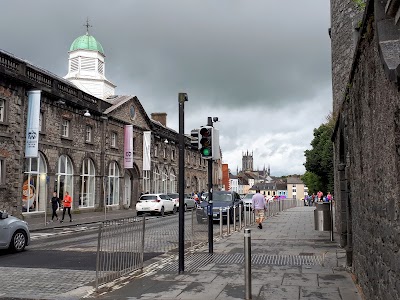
[
  {"x": 113, "y": 184},
  {"x": 156, "y": 180},
  {"x": 113, "y": 139},
  {"x": 100, "y": 67},
  {"x": 165, "y": 181},
  {"x": 172, "y": 182},
  {"x": 34, "y": 188},
  {"x": 87, "y": 194},
  {"x": 165, "y": 153},
  {"x": 173, "y": 154},
  {"x": 2, "y": 110},
  {"x": 2, "y": 171},
  {"x": 294, "y": 190},
  {"x": 146, "y": 181},
  {"x": 65, "y": 128},
  {"x": 88, "y": 137},
  {"x": 155, "y": 151},
  {"x": 64, "y": 177}
]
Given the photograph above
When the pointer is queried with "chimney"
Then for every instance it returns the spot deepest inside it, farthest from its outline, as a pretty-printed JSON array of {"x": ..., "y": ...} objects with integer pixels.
[{"x": 160, "y": 117}]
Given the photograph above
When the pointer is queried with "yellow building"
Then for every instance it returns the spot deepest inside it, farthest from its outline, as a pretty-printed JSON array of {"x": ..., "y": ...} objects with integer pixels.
[{"x": 296, "y": 188}]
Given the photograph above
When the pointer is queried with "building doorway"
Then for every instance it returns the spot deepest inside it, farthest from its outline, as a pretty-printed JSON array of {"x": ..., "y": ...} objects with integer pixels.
[{"x": 127, "y": 190}]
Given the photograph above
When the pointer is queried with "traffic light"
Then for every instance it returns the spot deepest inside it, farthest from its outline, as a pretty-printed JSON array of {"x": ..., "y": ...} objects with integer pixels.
[
  {"x": 205, "y": 142},
  {"x": 194, "y": 141}
]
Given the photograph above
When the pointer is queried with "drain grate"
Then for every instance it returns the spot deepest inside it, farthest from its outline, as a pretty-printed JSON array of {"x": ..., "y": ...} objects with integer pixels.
[{"x": 197, "y": 261}]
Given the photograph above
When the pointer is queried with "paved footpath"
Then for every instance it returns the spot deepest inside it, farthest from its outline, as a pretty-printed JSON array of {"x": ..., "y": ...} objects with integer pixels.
[{"x": 290, "y": 260}]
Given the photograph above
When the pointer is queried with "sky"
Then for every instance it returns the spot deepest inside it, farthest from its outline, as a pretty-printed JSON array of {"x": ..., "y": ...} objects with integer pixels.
[{"x": 261, "y": 66}]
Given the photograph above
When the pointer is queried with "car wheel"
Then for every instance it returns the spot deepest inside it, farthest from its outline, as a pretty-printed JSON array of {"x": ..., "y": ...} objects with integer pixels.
[
  {"x": 162, "y": 212},
  {"x": 18, "y": 241},
  {"x": 185, "y": 207},
  {"x": 174, "y": 210}
]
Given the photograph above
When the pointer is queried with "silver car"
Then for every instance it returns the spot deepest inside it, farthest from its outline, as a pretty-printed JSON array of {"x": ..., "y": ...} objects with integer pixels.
[{"x": 14, "y": 233}]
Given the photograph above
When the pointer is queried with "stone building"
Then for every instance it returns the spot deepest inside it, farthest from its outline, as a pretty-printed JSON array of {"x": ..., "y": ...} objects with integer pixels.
[
  {"x": 367, "y": 141},
  {"x": 81, "y": 141}
]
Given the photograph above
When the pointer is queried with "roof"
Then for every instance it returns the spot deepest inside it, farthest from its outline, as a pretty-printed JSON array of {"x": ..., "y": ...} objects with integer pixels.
[
  {"x": 294, "y": 180},
  {"x": 116, "y": 102},
  {"x": 86, "y": 42},
  {"x": 281, "y": 186},
  {"x": 231, "y": 176},
  {"x": 264, "y": 186}
]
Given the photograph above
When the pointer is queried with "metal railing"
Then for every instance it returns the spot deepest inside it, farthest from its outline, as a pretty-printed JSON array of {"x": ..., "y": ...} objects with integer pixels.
[
  {"x": 124, "y": 244},
  {"x": 120, "y": 248}
]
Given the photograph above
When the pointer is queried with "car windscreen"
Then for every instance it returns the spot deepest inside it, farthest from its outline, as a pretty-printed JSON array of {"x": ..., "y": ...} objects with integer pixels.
[
  {"x": 174, "y": 195},
  {"x": 165, "y": 197},
  {"x": 222, "y": 197},
  {"x": 148, "y": 197},
  {"x": 248, "y": 196}
]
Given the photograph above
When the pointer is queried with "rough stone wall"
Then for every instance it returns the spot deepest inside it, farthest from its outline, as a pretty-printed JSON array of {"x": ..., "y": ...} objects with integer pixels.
[
  {"x": 12, "y": 146},
  {"x": 345, "y": 17},
  {"x": 370, "y": 123}
]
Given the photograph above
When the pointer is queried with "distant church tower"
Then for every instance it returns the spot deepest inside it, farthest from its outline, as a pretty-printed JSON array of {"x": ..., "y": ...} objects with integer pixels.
[
  {"x": 247, "y": 161},
  {"x": 86, "y": 67}
]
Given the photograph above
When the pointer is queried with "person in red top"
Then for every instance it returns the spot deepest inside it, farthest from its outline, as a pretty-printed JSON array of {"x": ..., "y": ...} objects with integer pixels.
[{"x": 67, "y": 202}]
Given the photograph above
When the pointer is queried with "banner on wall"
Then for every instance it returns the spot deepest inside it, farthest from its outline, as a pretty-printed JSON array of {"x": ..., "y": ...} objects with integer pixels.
[
  {"x": 128, "y": 147},
  {"x": 32, "y": 125},
  {"x": 146, "y": 150}
]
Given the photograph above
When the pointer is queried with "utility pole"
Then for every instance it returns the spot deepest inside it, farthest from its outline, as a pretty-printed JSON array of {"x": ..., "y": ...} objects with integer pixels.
[
  {"x": 210, "y": 200},
  {"x": 182, "y": 97}
]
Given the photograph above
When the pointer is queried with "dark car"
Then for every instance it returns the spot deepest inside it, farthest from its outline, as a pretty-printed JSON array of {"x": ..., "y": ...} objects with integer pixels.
[{"x": 221, "y": 199}]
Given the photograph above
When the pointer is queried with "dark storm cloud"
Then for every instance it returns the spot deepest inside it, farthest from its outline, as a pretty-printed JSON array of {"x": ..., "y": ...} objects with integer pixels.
[{"x": 266, "y": 56}]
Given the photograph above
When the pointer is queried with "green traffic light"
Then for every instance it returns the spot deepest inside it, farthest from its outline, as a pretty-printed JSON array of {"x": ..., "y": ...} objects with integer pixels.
[{"x": 206, "y": 152}]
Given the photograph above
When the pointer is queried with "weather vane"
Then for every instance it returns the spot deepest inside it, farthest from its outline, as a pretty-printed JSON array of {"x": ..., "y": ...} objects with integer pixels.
[{"x": 87, "y": 25}]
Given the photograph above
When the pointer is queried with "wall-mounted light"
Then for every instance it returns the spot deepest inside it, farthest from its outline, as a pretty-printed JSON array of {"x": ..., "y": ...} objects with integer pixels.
[
  {"x": 60, "y": 101},
  {"x": 166, "y": 141},
  {"x": 87, "y": 113}
]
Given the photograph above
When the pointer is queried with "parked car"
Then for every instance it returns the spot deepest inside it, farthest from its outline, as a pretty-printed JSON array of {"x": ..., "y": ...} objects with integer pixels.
[
  {"x": 189, "y": 202},
  {"x": 247, "y": 201},
  {"x": 223, "y": 199},
  {"x": 14, "y": 233},
  {"x": 204, "y": 196},
  {"x": 155, "y": 204}
]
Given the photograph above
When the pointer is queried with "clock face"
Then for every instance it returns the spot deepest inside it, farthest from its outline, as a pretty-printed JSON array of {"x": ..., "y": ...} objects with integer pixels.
[{"x": 132, "y": 112}]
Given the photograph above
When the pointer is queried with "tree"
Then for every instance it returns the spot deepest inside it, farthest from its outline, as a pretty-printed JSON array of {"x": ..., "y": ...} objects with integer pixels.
[
  {"x": 312, "y": 181},
  {"x": 319, "y": 159}
]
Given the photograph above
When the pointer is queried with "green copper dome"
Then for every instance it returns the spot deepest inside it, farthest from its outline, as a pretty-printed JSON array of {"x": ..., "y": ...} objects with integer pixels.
[{"x": 86, "y": 42}]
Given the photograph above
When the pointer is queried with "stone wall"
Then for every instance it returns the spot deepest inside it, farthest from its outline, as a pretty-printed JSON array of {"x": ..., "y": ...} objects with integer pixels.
[{"x": 367, "y": 164}]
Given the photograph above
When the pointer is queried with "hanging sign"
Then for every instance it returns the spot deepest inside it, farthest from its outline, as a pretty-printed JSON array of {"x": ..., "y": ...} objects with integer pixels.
[
  {"x": 32, "y": 126},
  {"x": 128, "y": 147}
]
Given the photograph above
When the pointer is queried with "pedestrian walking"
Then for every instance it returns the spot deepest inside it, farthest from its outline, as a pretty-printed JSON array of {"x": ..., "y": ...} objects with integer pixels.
[
  {"x": 258, "y": 204},
  {"x": 329, "y": 197},
  {"x": 67, "y": 201},
  {"x": 55, "y": 203}
]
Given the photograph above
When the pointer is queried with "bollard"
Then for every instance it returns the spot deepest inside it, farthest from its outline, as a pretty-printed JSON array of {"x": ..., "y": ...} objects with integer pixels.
[
  {"x": 192, "y": 239},
  {"x": 234, "y": 218},
  {"x": 247, "y": 263},
  {"x": 245, "y": 217},
  {"x": 250, "y": 220},
  {"x": 240, "y": 217},
  {"x": 221, "y": 221},
  {"x": 228, "y": 222}
]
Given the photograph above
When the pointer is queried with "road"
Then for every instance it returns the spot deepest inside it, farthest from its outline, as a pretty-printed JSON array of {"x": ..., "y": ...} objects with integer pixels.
[{"x": 61, "y": 263}]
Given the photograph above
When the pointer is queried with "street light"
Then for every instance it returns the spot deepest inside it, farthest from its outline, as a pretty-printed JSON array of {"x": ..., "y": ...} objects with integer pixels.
[{"x": 87, "y": 113}]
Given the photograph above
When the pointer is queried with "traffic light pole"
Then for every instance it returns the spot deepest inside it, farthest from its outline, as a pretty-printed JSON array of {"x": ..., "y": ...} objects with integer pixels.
[
  {"x": 182, "y": 98},
  {"x": 210, "y": 201}
]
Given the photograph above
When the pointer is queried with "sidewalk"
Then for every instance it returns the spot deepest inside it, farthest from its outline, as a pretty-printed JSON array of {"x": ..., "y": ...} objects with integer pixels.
[
  {"x": 290, "y": 261},
  {"x": 38, "y": 224}
]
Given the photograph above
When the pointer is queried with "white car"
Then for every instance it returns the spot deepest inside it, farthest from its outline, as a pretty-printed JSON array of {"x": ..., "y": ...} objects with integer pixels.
[
  {"x": 14, "y": 233},
  {"x": 247, "y": 201},
  {"x": 189, "y": 202},
  {"x": 155, "y": 204}
]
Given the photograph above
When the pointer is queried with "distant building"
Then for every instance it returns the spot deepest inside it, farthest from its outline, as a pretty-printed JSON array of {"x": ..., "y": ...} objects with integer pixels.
[
  {"x": 267, "y": 189},
  {"x": 295, "y": 188},
  {"x": 233, "y": 183},
  {"x": 225, "y": 177}
]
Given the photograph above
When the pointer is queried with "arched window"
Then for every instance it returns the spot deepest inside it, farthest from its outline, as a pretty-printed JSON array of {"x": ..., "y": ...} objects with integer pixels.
[
  {"x": 146, "y": 181},
  {"x": 64, "y": 177},
  {"x": 164, "y": 181},
  {"x": 113, "y": 184},
  {"x": 88, "y": 183},
  {"x": 34, "y": 191},
  {"x": 172, "y": 182},
  {"x": 156, "y": 180}
]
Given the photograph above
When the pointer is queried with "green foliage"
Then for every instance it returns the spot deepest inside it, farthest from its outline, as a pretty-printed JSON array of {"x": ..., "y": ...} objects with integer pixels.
[
  {"x": 360, "y": 4},
  {"x": 312, "y": 181},
  {"x": 319, "y": 159}
]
